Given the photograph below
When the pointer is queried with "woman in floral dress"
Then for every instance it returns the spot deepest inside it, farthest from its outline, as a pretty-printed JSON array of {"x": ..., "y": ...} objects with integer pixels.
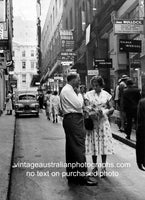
[{"x": 99, "y": 106}]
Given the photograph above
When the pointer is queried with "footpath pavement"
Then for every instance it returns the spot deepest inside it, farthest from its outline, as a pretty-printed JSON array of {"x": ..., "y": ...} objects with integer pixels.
[
  {"x": 7, "y": 133},
  {"x": 7, "y": 127},
  {"x": 121, "y": 136}
]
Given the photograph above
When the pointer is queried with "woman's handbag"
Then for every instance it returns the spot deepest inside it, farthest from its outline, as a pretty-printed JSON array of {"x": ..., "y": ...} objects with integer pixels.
[{"x": 89, "y": 124}]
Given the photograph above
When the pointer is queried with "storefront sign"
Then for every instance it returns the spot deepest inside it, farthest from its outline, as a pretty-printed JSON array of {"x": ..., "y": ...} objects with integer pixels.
[
  {"x": 103, "y": 63},
  {"x": 93, "y": 72},
  {"x": 67, "y": 45},
  {"x": 67, "y": 63},
  {"x": 135, "y": 64},
  {"x": 130, "y": 45},
  {"x": 128, "y": 26}
]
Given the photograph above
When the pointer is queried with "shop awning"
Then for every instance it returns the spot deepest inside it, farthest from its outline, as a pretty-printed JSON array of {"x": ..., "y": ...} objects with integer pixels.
[{"x": 35, "y": 80}]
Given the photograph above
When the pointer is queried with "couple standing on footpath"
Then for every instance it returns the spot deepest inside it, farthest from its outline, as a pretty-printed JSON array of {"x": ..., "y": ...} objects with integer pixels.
[{"x": 99, "y": 140}]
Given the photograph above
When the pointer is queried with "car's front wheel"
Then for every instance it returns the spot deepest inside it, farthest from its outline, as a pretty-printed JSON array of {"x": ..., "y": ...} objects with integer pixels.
[
  {"x": 37, "y": 115},
  {"x": 16, "y": 115}
]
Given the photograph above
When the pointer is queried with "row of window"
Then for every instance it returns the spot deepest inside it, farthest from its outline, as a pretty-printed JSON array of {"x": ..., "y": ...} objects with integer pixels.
[
  {"x": 24, "y": 64},
  {"x": 32, "y": 53}
]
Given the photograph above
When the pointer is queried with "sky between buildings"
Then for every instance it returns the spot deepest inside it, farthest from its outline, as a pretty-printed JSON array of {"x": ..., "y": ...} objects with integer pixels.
[{"x": 25, "y": 19}]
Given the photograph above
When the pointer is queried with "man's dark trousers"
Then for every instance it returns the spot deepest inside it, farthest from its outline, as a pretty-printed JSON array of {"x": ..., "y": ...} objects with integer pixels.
[
  {"x": 73, "y": 125},
  {"x": 130, "y": 116}
]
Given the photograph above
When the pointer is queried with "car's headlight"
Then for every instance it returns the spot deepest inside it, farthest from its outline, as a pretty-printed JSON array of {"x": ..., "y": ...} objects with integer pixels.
[
  {"x": 34, "y": 105},
  {"x": 37, "y": 106},
  {"x": 16, "y": 106},
  {"x": 19, "y": 105}
]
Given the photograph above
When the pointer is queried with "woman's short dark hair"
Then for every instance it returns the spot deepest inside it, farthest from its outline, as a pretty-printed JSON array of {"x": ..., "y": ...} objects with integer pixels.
[
  {"x": 97, "y": 79},
  {"x": 55, "y": 93},
  {"x": 49, "y": 92},
  {"x": 71, "y": 76}
]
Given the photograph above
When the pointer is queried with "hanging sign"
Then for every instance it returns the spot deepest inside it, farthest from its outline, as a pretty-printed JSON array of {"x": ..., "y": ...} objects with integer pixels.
[{"x": 128, "y": 26}]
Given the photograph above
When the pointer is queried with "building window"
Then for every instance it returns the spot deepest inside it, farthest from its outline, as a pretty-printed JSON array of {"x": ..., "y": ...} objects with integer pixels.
[
  {"x": 23, "y": 65},
  {"x": 23, "y": 78},
  {"x": 23, "y": 53},
  {"x": 32, "y": 64},
  {"x": 32, "y": 53}
]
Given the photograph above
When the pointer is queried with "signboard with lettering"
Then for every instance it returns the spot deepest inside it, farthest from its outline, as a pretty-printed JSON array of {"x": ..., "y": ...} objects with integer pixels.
[
  {"x": 93, "y": 72},
  {"x": 130, "y": 45},
  {"x": 103, "y": 63},
  {"x": 128, "y": 26},
  {"x": 64, "y": 56},
  {"x": 67, "y": 45},
  {"x": 135, "y": 63},
  {"x": 67, "y": 63}
]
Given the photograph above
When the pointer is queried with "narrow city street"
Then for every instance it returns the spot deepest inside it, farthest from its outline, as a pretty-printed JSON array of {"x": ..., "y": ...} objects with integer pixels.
[{"x": 38, "y": 172}]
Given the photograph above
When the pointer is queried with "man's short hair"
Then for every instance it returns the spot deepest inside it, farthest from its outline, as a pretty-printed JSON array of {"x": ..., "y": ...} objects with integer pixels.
[
  {"x": 129, "y": 82},
  {"x": 72, "y": 76}
]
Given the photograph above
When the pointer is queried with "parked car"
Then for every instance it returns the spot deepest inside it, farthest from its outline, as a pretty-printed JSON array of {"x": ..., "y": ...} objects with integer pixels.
[{"x": 26, "y": 103}]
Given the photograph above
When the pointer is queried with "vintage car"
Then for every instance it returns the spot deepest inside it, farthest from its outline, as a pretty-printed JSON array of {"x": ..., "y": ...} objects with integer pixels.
[{"x": 26, "y": 103}]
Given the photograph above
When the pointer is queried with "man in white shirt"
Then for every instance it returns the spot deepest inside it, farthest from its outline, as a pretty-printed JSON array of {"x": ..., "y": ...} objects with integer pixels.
[{"x": 73, "y": 124}]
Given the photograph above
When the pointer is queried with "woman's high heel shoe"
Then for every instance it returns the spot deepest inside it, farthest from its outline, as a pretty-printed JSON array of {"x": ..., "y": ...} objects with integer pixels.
[
  {"x": 103, "y": 172},
  {"x": 94, "y": 172}
]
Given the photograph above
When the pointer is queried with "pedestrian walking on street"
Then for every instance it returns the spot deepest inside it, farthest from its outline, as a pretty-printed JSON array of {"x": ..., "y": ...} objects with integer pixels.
[
  {"x": 131, "y": 97},
  {"x": 140, "y": 135},
  {"x": 99, "y": 106},
  {"x": 9, "y": 103},
  {"x": 41, "y": 100},
  {"x": 122, "y": 86},
  {"x": 48, "y": 97},
  {"x": 54, "y": 104},
  {"x": 73, "y": 124},
  {"x": 116, "y": 95}
]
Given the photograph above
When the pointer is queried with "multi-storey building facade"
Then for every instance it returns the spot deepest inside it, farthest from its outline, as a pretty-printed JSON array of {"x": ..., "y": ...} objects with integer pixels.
[
  {"x": 6, "y": 34},
  {"x": 96, "y": 39},
  {"x": 50, "y": 38},
  {"x": 25, "y": 65},
  {"x": 97, "y": 44},
  {"x": 57, "y": 45}
]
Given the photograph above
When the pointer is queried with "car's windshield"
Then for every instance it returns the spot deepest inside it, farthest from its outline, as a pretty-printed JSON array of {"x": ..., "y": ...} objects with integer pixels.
[{"x": 27, "y": 97}]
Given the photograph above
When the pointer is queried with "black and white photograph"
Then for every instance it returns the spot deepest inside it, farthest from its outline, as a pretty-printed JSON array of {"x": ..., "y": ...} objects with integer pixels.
[{"x": 72, "y": 99}]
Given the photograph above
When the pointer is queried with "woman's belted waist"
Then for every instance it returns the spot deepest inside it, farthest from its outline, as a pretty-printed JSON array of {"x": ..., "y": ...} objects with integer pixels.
[{"x": 72, "y": 114}]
